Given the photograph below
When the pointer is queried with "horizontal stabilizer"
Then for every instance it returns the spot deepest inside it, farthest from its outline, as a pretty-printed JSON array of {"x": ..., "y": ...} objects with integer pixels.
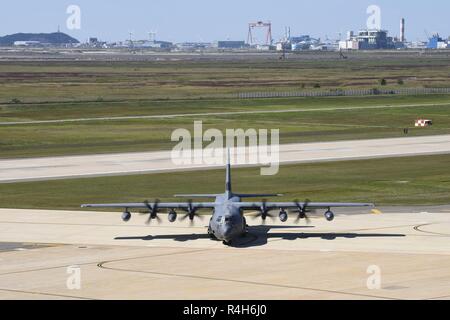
[
  {"x": 196, "y": 195},
  {"x": 257, "y": 195}
]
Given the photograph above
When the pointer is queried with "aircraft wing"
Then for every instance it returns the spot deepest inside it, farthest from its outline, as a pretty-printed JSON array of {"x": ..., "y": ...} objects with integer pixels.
[
  {"x": 296, "y": 205},
  {"x": 161, "y": 205}
]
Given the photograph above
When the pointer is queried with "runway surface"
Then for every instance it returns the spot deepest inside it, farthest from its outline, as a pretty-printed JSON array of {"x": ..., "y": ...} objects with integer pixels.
[
  {"x": 15, "y": 170},
  {"x": 409, "y": 250}
]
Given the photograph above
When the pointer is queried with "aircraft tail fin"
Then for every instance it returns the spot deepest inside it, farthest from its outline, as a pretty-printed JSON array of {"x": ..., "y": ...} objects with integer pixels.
[{"x": 228, "y": 188}]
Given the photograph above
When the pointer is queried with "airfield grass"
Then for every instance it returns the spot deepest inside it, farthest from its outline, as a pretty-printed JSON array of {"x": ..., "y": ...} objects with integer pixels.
[
  {"x": 422, "y": 180},
  {"x": 55, "y": 90},
  {"x": 372, "y": 117},
  {"x": 171, "y": 78},
  {"x": 100, "y": 109}
]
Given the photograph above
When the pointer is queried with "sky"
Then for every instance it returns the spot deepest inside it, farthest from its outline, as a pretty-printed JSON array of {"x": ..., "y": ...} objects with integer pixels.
[{"x": 203, "y": 20}]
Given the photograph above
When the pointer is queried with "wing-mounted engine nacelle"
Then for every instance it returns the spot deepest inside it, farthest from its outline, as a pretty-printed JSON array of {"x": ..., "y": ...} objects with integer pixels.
[
  {"x": 283, "y": 216},
  {"x": 126, "y": 216},
  {"x": 172, "y": 216},
  {"x": 329, "y": 215}
]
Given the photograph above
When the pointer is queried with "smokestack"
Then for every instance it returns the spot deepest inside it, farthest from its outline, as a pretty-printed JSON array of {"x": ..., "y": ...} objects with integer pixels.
[{"x": 402, "y": 30}]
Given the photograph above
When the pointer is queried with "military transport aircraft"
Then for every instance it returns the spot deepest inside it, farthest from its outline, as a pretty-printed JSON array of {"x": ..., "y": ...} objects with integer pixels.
[{"x": 228, "y": 221}]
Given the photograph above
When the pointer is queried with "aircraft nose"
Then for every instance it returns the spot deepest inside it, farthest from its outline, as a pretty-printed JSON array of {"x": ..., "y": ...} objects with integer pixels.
[{"x": 227, "y": 232}]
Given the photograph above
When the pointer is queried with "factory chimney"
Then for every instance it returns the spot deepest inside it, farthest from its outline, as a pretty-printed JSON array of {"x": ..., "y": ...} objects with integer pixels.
[{"x": 402, "y": 30}]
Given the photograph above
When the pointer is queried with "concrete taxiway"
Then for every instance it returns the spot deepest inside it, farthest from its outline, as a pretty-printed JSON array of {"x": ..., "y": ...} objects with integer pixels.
[
  {"x": 407, "y": 250},
  {"x": 16, "y": 170}
]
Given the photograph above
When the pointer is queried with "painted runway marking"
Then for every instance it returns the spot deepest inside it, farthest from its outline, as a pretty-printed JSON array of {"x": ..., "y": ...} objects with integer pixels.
[
  {"x": 214, "y": 114},
  {"x": 45, "y": 294},
  {"x": 102, "y": 266},
  {"x": 419, "y": 229}
]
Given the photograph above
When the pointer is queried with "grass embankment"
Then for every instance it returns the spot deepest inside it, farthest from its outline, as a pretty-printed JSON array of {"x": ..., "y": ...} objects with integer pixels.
[
  {"x": 423, "y": 180},
  {"x": 317, "y": 119}
]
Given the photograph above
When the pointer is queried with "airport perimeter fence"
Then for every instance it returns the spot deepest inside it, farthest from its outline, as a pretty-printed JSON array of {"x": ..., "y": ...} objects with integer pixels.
[{"x": 338, "y": 93}]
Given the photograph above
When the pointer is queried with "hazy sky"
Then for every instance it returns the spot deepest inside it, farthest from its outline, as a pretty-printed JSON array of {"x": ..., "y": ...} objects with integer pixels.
[{"x": 201, "y": 20}]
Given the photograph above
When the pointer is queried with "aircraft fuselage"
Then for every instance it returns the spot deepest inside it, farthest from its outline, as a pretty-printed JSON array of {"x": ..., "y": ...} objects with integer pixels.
[{"x": 227, "y": 222}]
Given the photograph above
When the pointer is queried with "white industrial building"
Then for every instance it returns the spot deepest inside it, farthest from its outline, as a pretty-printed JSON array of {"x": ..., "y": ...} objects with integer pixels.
[
  {"x": 349, "y": 45},
  {"x": 26, "y": 43},
  {"x": 442, "y": 45},
  {"x": 367, "y": 40}
]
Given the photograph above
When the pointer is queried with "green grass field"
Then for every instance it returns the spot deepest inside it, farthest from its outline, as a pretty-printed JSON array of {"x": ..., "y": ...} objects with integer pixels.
[
  {"x": 53, "y": 90},
  {"x": 394, "y": 181},
  {"x": 360, "y": 118},
  {"x": 194, "y": 78}
]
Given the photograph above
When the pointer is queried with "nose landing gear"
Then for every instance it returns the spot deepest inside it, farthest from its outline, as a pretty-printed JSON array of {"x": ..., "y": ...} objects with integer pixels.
[{"x": 211, "y": 234}]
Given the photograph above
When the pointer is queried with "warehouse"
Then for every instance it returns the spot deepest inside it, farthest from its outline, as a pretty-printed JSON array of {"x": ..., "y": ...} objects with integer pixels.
[
  {"x": 231, "y": 44},
  {"x": 367, "y": 40}
]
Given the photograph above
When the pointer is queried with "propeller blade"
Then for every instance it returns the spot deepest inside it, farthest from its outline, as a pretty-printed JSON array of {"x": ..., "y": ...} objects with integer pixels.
[
  {"x": 302, "y": 211},
  {"x": 191, "y": 213},
  {"x": 264, "y": 212},
  {"x": 305, "y": 205},
  {"x": 152, "y": 211},
  {"x": 307, "y": 219},
  {"x": 149, "y": 219},
  {"x": 256, "y": 216}
]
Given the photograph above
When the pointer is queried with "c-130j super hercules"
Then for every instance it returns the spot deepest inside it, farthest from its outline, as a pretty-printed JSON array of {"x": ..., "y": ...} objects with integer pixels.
[{"x": 228, "y": 210}]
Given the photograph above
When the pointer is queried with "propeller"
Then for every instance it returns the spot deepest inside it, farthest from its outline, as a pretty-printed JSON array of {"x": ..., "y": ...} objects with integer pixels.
[
  {"x": 152, "y": 211},
  {"x": 264, "y": 212},
  {"x": 302, "y": 211},
  {"x": 191, "y": 213}
]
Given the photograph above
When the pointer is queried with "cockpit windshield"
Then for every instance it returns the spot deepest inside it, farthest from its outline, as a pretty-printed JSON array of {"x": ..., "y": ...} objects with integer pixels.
[{"x": 224, "y": 220}]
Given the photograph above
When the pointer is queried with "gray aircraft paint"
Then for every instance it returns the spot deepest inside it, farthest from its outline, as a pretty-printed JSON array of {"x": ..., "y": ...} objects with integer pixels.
[{"x": 228, "y": 221}]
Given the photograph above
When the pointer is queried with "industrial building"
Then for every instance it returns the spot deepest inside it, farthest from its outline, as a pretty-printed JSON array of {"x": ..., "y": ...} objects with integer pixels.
[
  {"x": 374, "y": 39},
  {"x": 231, "y": 44},
  {"x": 193, "y": 46},
  {"x": 367, "y": 40},
  {"x": 27, "y": 43},
  {"x": 95, "y": 43},
  {"x": 304, "y": 42},
  {"x": 152, "y": 44},
  {"x": 436, "y": 42}
]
